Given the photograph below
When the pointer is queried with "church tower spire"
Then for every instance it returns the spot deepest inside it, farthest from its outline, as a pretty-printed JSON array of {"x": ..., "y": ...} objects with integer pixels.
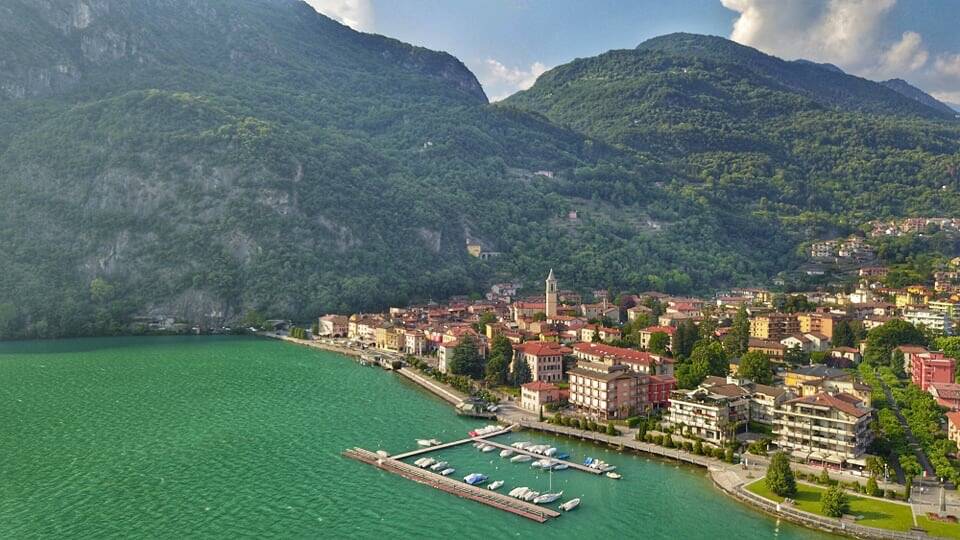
[{"x": 551, "y": 300}]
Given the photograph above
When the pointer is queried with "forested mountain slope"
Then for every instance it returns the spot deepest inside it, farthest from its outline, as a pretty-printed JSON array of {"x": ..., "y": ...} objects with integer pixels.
[
  {"x": 199, "y": 158},
  {"x": 806, "y": 142}
]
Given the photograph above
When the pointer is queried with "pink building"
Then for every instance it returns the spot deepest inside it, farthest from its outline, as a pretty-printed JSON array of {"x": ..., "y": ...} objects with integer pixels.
[
  {"x": 946, "y": 394},
  {"x": 932, "y": 367}
]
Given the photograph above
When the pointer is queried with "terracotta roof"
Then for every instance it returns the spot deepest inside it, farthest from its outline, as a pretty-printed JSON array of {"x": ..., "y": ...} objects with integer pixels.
[
  {"x": 665, "y": 329},
  {"x": 953, "y": 418},
  {"x": 542, "y": 348},
  {"x": 626, "y": 356},
  {"x": 774, "y": 391},
  {"x": 912, "y": 349},
  {"x": 946, "y": 390},
  {"x": 845, "y": 404},
  {"x": 539, "y": 386}
]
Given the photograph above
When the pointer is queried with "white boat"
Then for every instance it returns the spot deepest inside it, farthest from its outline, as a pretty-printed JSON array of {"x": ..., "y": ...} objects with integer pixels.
[
  {"x": 496, "y": 485},
  {"x": 522, "y": 458},
  {"x": 570, "y": 505},
  {"x": 560, "y": 466},
  {"x": 547, "y": 498},
  {"x": 424, "y": 442},
  {"x": 383, "y": 453},
  {"x": 435, "y": 442},
  {"x": 438, "y": 466},
  {"x": 448, "y": 471},
  {"x": 419, "y": 462},
  {"x": 544, "y": 464},
  {"x": 479, "y": 444},
  {"x": 520, "y": 445},
  {"x": 530, "y": 495},
  {"x": 609, "y": 468},
  {"x": 613, "y": 475},
  {"x": 520, "y": 492},
  {"x": 506, "y": 453},
  {"x": 427, "y": 462},
  {"x": 514, "y": 491},
  {"x": 488, "y": 448},
  {"x": 549, "y": 452}
]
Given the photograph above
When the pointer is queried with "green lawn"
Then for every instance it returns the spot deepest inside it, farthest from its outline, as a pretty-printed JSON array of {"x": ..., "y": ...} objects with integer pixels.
[
  {"x": 876, "y": 513},
  {"x": 939, "y": 528}
]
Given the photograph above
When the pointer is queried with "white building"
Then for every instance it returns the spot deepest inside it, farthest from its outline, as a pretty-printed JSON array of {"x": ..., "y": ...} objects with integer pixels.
[{"x": 934, "y": 320}]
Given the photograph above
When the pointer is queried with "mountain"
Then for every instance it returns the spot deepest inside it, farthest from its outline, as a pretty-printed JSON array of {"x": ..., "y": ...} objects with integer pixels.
[
  {"x": 912, "y": 92},
  {"x": 198, "y": 159},
  {"x": 756, "y": 135}
]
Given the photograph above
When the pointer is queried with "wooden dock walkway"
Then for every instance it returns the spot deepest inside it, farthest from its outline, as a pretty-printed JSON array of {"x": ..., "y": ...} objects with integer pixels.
[
  {"x": 530, "y": 511},
  {"x": 572, "y": 465},
  {"x": 428, "y": 449}
]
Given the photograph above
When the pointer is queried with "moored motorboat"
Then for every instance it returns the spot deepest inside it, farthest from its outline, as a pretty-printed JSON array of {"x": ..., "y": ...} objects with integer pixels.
[
  {"x": 506, "y": 453},
  {"x": 475, "y": 478},
  {"x": 570, "y": 505},
  {"x": 530, "y": 495},
  {"x": 562, "y": 455},
  {"x": 424, "y": 442},
  {"x": 547, "y": 498},
  {"x": 438, "y": 466},
  {"x": 434, "y": 442},
  {"x": 560, "y": 466},
  {"x": 522, "y": 458},
  {"x": 488, "y": 448},
  {"x": 448, "y": 471},
  {"x": 427, "y": 462},
  {"x": 613, "y": 475},
  {"x": 549, "y": 452},
  {"x": 521, "y": 445},
  {"x": 419, "y": 462},
  {"x": 383, "y": 453},
  {"x": 495, "y": 485}
]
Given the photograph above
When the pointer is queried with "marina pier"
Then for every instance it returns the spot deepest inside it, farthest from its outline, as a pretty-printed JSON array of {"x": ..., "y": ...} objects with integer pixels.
[{"x": 530, "y": 511}]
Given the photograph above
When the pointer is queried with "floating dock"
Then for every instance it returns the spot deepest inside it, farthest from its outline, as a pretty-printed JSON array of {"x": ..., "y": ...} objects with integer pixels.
[
  {"x": 443, "y": 446},
  {"x": 482, "y": 495},
  {"x": 572, "y": 465}
]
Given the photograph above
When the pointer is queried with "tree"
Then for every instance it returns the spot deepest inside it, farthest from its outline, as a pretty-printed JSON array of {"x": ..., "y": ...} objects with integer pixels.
[
  {"x": 740, "y": 331},
  {"x": 711, "y": 355},
  {"x": 843, "y": 334},
  {"x": 486, "y": 318},
  {"x": 755, "y": 366},
  {"x": 659, "y": 343},
  {"x": 687, "y": 337},
  {"x": 498, "y": 369},
  {"x": 466, "y": 359},
  {"x": 795, "y": 355},
  {"x": 949, "y": 345},
  {"x": 780, "y": 479},
  {"x": 834, "y": 502},
  {"x": 253, "y": 319},
  {"x": 690, "y": 375},
  {"x": 872, "y": 487},
  {"x": 883, "y": 339},
  {"x": 539, "y": 316},
  {"x": 521, "y": 373}
]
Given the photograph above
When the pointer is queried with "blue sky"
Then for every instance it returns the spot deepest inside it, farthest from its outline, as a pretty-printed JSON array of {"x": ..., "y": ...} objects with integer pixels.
[{"x": 508, "y": 43}]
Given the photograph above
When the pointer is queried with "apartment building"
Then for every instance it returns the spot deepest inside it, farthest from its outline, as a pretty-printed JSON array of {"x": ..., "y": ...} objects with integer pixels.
[
  {"x": 774, "y": 326},
  {"x": 544, "y": 358},
  {"x": 711, "y": 412},
  {"x": 829, "y": 429},
  {"x": 931, "y": 367}
]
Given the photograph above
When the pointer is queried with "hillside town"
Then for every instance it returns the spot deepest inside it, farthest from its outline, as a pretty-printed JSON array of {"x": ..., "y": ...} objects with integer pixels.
[{"x": 801, "y": 373}]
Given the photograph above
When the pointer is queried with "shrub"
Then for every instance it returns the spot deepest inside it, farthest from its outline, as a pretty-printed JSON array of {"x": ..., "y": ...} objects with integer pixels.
[
  {"x": 890, "y": 494},
  {"x": 658, "y": 440},
  {"x": 634, "y": 421},
  {"x": 611, "y": 429},
  {"x": 728, "y": 456},
  {"x": 835, "y": 503},
  {"x": 824, "y": 478},
  {"x": 698, "y": 448},
  {"x": 668, "y": 441},
  {"x": 687, "y": 446}
]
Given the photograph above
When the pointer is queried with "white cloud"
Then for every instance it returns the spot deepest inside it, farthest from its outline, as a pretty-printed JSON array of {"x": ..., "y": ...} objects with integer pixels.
[
  {"x": 904, "y": 57},
  {"x": 848, "y": 33},
  {"x": 357, "y": 14},
  {"x": 500, "y": 81}
]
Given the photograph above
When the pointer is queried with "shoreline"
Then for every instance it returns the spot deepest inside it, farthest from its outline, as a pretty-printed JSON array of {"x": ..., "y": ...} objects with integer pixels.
[{"x": 723, "y": 475}]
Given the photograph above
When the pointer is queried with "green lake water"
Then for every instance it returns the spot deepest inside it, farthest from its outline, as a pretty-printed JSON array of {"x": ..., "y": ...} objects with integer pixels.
[{"x": 242, "y": 437}]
